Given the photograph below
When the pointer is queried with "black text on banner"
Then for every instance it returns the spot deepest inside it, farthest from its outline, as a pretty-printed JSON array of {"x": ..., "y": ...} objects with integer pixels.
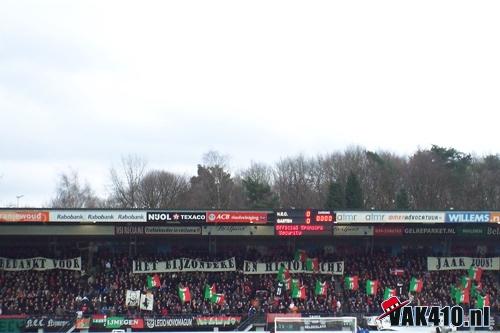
[
  {"x": 184, "y": 265},
  {"x": 40, "y": 264},
  {"x": 249, "y": 267},
  {"x": 456, "y": 263}
]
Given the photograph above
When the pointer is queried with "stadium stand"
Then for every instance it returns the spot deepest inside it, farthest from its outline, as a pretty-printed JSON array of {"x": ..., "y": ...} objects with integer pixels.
[{"x": 393, "y": 256}]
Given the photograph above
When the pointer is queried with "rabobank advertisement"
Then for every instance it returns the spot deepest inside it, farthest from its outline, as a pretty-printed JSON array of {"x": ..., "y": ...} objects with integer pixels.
[{"x": 467, "y": 217}]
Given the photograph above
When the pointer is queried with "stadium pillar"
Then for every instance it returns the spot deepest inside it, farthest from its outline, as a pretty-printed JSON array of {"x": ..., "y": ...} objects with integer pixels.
[{"x": 212, "y": 245}]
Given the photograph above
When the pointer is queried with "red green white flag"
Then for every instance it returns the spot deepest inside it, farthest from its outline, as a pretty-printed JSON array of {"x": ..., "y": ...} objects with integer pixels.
[
  {"x": 153, "y": 281},
  {"x": 389, "y": 292},
  {"x": 465, "y": 282},
  {"x": 371, "y": 287},
  {"x": 298, "y": 292},
  {"x": 416, "y": 285},
  {"x": 300, "y": 255},
  {"x": 475, "y": 273},
  {"x": 184, "y": 294},
  {"x": 462, "y": 296},
  {"x": 283, "y": 273},
  {"x": 321, "y": 288},
  {"x": 482, "y": 301},
  {"x": 397, "y": 271},
  {"x": 312, "y": 264},
  {"x": 209, "y": 291},
  {"x": 218, "y": 299},
  {"x": 351, "y": 282}
]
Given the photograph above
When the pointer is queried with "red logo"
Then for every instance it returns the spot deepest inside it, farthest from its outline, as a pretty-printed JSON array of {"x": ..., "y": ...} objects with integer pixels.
[
  {"x": 237, "y": 217},
  {"x": 390, "y": 305}
]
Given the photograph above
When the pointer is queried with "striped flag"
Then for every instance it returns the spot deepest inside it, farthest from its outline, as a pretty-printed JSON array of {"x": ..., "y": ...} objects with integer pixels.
[
  {"x": 153, "y": 281},
  {"x": 184, "y": 294},
  {"x": 209, "y": 291},
  {"x": 416, "y": 285},
  {"x": 388, "y": 292},
  {"x": 298, "y": 292},
  {"x": 283, "y": 273},
  {"x": 465, "y": 282},
  {"x": 320, "y": 289},
  {"x": 300, "y": 255},
  {"x": 351, "y": 282},
  {"x": 371, "y": 287},
  {"x": 218, "y": 299},
  {"x": 475, "y": 273},
  {"x": 397, "y": 271},
  {"x": 462, "y": 296},
  {"x": 482, "y": 301},
  {"x": 312, "y": 264}
]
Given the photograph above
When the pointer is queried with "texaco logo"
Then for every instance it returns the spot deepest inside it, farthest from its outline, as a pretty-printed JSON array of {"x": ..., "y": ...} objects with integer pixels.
[{"x": 211, "y": 217}]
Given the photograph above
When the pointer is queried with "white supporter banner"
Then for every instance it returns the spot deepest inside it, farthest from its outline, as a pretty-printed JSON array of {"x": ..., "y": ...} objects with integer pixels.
[
  {"x": 40, "y": 264},
  {"x": 147, "y": 302},
  {"x": 132, "y": 298},
  {"x": 184, "y": 265},
  {"x": 249, "y": 267},
  {"x": 457, "y": 263}
]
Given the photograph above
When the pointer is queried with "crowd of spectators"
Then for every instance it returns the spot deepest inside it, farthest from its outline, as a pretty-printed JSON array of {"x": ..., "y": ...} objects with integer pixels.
[{"x": 102, "y": 287}]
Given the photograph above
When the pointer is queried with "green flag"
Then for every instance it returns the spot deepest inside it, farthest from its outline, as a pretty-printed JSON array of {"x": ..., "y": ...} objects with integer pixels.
[
  {"x": 388, "y": 292},
  {"x": 209, "y": 291},
  {"x": 482, "y": 301}
]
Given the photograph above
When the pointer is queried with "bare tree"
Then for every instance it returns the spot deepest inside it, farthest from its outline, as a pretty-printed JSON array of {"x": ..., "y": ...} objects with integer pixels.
[
  {"x": 256, "y": 183},
  {"x": 71, "y": 193},
  {"x": 125, "y": 184},
  {"x": 213, "y": 186},
  {"x": 162, "y": 189},
  {"x": 293, "y": 182}
]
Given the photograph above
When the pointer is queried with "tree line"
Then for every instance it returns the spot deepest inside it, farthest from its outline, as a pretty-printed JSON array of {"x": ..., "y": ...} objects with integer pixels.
[{"x": 431, "y": 179}]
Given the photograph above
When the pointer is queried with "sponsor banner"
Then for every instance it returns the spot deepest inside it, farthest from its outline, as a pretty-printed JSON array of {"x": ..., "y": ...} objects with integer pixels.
[
  {"x": 471, "y": 231},
  {"x": 98, "y": 319},
  {"x": 172, "y": 230},
  {"x": 237, "y": 230},
  {"x": 495, "y": 217},
  {"x": 40, "y": 264},
  {"x": 387, "y": 231},
  {"x": 169, "y": 322},
  {"x": 467, "y": 217},
  {"x": 218, "y": 320},
  {"x": 24, "y": 216},
  {"x": 237, "y": 217},
  {"x": 176, "y": 216},
  {"x": 157, "y": 230},
  {"x": 429, "y": 231},
  {"x": 350, "y": 230},
  {"x": 456, "y": 263},
  {"x": 389, "y": 217},
  {"x": 97, "y": 216},
  {"x": 82, "y": 324},
  {"x": 46, "y": 323},
  {"x": 129, "y": 230},
  {"x": 272, "y": 316},
  {"x": 121, "y": 322},
  {"x": 493, "y": 232},
  {"x": 184, "y": 265},
  {"x": 11, "y": 324},
  {"x": 249, "y": 267}
]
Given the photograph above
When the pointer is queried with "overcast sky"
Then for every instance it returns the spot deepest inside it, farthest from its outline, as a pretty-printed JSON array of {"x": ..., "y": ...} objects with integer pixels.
[{"x": 83, "y": 83}]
